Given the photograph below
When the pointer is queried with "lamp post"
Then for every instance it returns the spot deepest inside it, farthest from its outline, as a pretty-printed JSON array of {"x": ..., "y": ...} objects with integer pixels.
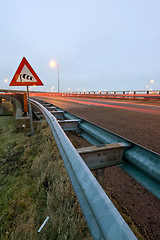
[
  {"x": 58, "y": 76},
  {"x": 148, "y": 85},
  {"x": 53, "y": 64}
]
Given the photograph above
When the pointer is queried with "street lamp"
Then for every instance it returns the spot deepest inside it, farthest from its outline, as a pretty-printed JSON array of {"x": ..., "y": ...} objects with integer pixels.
[
  {"x": 6, "y": 80},
  {"x": 148, "y": 85},
  {"x": 53, "y": 64}
]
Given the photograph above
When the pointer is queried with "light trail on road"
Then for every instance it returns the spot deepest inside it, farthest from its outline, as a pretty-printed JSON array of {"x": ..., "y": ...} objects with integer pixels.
[
  {"x": 137, "y": 122},
  {"x": 145, "y": 108},
  {"x": 115, "y": 106}
]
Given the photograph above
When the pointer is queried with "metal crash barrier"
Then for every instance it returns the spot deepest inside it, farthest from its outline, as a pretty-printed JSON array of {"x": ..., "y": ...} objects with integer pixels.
[
  {"x": 103, "y": 219},
  {"x": 17, "y": 106}
]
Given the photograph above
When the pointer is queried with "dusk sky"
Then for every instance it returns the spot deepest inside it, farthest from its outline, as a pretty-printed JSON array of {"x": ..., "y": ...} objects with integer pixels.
[{"x": 98, "y": 44}]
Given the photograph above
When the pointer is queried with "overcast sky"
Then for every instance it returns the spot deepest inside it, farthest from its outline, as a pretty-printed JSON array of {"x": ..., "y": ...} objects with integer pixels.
[{"x": 98, "y": 44}]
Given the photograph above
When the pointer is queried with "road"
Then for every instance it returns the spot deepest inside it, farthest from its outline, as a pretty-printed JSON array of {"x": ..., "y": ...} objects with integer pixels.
[
  {"x": 125, "y": 105},
  {"x": 138, "y": 122}
]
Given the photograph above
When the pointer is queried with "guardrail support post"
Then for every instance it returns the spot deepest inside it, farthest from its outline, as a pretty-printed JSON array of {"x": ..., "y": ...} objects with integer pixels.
[
  {"x": 58, "y": 114},
  {"x": 98, "y": 157},
  {"x": 134, "y": 94},
  {"x": 69, "y": 125},
  {"x": 100, "y": 176}
]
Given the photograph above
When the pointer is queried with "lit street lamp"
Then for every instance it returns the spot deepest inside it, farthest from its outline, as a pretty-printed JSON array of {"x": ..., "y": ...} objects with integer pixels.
[
  {"x": 53, "y": 64},
  {"x": 148, "y": 85},
  {"x": 6, "y": 80}
]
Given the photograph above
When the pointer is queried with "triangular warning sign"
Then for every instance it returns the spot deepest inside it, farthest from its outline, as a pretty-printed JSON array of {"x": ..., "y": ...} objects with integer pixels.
[{"x": 25, "y": 75}]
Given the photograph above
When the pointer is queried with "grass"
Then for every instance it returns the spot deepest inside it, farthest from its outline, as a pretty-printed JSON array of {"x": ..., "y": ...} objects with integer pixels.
[
  {"x": 33, "y": 185},
  {"x": 7, "y": 109}
]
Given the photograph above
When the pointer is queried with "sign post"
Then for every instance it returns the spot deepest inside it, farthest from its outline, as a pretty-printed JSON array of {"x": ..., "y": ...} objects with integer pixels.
[
  {"x": 26, "y": 76},
  {"x": 30, "y": 113}
]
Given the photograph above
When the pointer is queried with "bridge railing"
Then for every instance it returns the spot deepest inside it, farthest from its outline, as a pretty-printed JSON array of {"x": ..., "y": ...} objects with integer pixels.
[
  {"x": 154, "y": 94},
  {"x": 138, "y": 94}
]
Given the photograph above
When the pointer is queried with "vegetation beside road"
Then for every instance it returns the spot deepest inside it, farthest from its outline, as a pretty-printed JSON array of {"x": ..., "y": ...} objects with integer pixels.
[{"x": 33, "y": 185}]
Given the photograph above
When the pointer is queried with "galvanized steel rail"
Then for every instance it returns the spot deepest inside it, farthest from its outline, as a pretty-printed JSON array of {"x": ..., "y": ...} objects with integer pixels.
[
  {"x": 140, "y": 163},
  {"x": 103, "y": 219}
]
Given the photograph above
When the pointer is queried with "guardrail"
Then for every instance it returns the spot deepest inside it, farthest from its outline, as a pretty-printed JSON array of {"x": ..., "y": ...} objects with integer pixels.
[
  {"x": 103, "y": 219},
  {"x": 104, "y": 94},
  {"x": 140, "y": 163},
  {"x": 17, "y": 107},
  {"x": 139, "y": 94},
  {"x": 20, "y": 108}
]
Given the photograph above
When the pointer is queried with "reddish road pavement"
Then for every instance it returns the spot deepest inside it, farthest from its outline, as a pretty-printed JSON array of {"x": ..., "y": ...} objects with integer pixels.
[{"x": 139, "y": 122}]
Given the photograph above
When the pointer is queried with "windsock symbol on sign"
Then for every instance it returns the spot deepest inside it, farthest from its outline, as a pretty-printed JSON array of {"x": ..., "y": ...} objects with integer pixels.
[{"x": 25, "y": 76}]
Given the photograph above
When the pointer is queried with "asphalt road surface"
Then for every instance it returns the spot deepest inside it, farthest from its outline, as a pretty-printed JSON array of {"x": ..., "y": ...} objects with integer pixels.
[{"x": 134, "y": 120}]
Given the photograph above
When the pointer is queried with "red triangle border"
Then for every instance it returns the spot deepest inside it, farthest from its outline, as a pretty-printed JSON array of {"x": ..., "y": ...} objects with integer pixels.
[{"x": 19, "y": 69}]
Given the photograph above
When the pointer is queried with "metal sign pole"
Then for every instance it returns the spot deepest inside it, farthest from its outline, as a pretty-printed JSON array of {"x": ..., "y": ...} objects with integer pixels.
[
  {"x": 58, "y": 77},
  {"x": 30, "y": 112}
]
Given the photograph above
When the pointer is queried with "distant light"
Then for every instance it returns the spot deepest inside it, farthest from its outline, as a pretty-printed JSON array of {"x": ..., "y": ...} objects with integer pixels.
[
  {"x": 152, "y": 81},
  {"x": 151, "y": 89},
  {"x": 5, "y": 80},
  {"x": 147, "y": 86},
  {"x": 69, "y": 89},
  {"x": 52, "y": 64},
  {"x": 84, "y": 90}
]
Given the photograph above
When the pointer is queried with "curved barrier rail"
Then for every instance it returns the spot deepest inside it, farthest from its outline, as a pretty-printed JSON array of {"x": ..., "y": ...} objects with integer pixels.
[
  {"x": 140, "y": 163},
  {"x": 16, "y": 104},
  {"x": 103, "y": 219}
]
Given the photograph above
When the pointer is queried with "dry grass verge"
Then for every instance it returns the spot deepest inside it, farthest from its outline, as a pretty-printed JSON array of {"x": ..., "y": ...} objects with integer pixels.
[{"x": 33, "y": 185}]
